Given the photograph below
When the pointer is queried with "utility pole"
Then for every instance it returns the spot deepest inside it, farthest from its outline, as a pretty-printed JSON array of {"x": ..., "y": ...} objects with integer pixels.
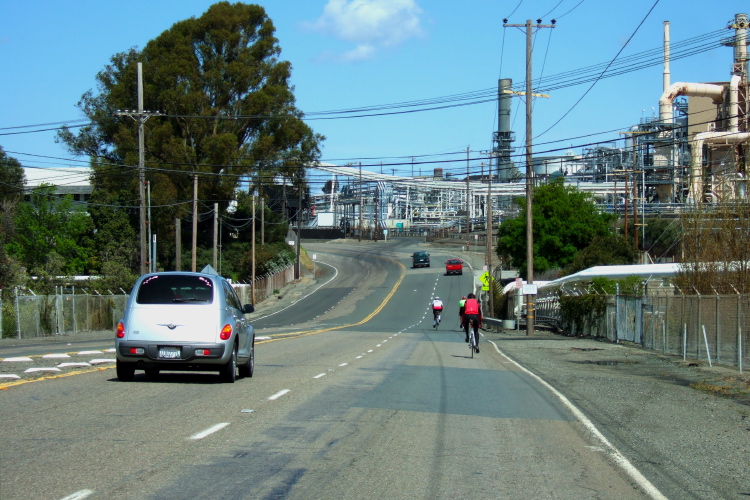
[
  {"x": 468, "y": 195},
  {"x": 195, "y": 222},
  {"x": 252, "y": 271},
  {"x": 360, "y": 204},
  {"x": 178, "y": 244},
  {"x": 216, "y": 236},
  {"x": 141, "y": 117},
  {"x": 297, "y": 270},
  {"x": 529, "y": 168}
]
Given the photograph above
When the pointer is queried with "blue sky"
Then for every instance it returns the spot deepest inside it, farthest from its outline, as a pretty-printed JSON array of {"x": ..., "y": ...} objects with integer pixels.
[{"x": 357, "y": 53}]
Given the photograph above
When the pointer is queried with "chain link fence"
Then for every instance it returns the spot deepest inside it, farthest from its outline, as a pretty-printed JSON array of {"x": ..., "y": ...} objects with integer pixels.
[
  {"x": 74, "y": 310},
  {"x": 713, "y": 328}
]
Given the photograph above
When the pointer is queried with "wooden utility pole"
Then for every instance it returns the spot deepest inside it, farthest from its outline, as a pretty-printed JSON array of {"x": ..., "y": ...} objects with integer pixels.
[
  {"x": 252, "y": 246},
  {"x": 195, "y": 223},
  {"x": 529, "y": 168},
  {"x": 468, "y": 196},
  {"x": 140, "y": 115},
  {"x": 360, "y": 204},
  {"x": 216, "y": 237},
  {"x": 178, "y": 244}
]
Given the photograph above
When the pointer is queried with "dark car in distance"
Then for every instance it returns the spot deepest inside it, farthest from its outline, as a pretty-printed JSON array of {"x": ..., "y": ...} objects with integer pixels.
[{"x": 420, "y": 259}]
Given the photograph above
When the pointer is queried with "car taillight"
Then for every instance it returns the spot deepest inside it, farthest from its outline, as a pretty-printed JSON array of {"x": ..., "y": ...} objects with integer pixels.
[
  {"x": 120, "y": 330},
  {"x": 202, "y": 352},
  {"x": 226, "y": 332}
]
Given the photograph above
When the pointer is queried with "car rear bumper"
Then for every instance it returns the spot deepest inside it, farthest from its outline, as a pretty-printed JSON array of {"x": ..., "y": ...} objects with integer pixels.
[{"x": 219, "y": 353}]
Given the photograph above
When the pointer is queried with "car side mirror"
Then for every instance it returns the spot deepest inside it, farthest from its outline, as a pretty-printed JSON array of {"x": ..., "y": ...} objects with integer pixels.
[{"x": 248, "y": 308}]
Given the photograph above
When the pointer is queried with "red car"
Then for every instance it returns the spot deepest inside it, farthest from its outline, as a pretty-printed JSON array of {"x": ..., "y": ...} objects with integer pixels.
[{"x": 454, "y": 266}]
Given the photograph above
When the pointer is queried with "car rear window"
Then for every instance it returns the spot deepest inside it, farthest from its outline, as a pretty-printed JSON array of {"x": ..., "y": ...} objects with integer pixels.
[
  {"x": 456, "y": 261},
  {"x": 176, "y": 289}
]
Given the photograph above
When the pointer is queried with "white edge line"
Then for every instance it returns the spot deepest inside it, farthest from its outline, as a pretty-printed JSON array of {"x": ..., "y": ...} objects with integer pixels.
[
  {"x": 336, "y": 273},
  {"x": 320, "y": 375},
  {"x": 279, "y": 394},
  {"x": 79, "y": 495},
  {"x": 618, "y": 457},
  {"x": 208, "y": 431}
]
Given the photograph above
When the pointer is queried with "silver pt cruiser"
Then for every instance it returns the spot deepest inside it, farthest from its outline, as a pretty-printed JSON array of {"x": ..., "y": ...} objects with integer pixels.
[{"x": 185, "y": 321}]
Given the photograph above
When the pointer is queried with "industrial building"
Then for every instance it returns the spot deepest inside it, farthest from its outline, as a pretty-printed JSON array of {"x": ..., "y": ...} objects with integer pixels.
[{"x": 693, "y": 152}]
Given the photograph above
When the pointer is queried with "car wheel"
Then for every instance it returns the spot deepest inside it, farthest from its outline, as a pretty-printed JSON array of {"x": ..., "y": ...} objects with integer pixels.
[
  {"x": 247, "y": 369},
  {"x": 229, "y": 371},
  {"x": 152, "y": 373},
  {"x": 125, "y": 371}
]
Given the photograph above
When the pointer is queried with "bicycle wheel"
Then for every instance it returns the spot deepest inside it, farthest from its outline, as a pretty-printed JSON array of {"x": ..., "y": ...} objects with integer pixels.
[{"x": 471, "y": 340}]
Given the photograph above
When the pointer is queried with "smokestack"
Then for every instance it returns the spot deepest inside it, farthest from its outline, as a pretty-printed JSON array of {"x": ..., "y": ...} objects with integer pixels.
[
  {"x": 667, "y": 75},
  {"x": 740, "y": 44}
]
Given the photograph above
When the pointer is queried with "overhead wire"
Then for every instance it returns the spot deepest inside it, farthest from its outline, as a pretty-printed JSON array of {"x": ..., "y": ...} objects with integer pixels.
[{"x": 603, "y": 71}]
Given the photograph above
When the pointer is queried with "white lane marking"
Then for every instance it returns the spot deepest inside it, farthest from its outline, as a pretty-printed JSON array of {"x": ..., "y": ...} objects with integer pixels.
[
  {"x": 369, "y": 350},
  {"x": 32, "y": 370},
  {"x": 101, "y": 361},
  {"x": 83, "y": 353},
  {"x": 52, "y": 356},
  {"x": 67, "y": 365},
  {"x": 359, "y": 357},
  {"x": 9, "y": 375},
  {"x": 618, "y": 457},
  {"x": 79, "y": 495},
  {"x": 343, "y": 364},
  {"x": 262, "y": 338},
  {"x": 14, "y": 360},
  {"x": 208, "y": 431},
  {"x": 110, "y": 350},
  {"x": 279, "y": 394},
  {"x": 320, "y": 375},
  {"x": 336, "y": 273}
]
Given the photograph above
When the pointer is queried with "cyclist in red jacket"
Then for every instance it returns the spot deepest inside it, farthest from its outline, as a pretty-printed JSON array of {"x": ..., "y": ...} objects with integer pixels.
[{"x": 472, "y": 316}]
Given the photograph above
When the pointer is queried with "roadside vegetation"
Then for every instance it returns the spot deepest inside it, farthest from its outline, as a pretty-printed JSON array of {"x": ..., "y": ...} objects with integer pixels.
[{"x": 227, "y": 126}]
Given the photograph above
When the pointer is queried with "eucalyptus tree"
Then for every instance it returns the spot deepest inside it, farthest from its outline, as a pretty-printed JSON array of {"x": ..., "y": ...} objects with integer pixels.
[{"x": 227, "y": 115}]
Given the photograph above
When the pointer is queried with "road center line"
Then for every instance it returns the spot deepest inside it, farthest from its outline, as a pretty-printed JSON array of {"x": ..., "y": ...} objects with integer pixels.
[
  {"x": 208, "y": 431},
  {"x": 79, "y": 495},
  {"x": 279, "y": 394}
]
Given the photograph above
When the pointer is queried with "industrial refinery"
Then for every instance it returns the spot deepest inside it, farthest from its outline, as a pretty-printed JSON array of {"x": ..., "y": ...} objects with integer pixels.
[{"x": 692, "y": 152}]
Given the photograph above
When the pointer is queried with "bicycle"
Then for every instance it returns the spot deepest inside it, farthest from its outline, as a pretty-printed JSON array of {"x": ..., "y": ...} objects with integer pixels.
[
  {"x": 473, "y": 337},
  {"x": 436, "y": 316}
]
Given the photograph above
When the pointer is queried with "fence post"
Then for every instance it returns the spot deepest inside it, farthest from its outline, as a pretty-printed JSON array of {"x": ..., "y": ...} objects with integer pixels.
[
  {"x": 73, "y": 305},
  {"x": 18, "y": 317},
  {"x": 705, "y": 339},
  {"x": 718, "y": 330}
]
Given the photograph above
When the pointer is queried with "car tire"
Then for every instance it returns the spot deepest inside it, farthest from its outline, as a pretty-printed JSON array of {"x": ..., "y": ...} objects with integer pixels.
[
  {"x": 248, "y": 368},
  {"x": 228, "y": 372},
  {"x": 152, "y": 373},
  {"x": 125, "y": 371}
]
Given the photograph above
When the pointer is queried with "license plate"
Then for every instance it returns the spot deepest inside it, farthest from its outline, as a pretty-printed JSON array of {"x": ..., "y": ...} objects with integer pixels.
[{"x": 169, "y": 352}]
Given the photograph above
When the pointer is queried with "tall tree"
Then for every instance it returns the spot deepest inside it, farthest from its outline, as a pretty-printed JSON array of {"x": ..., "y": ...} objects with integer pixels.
[
  {"x": 565, "y": 219},
  {"x": 51, "y": 234},
  {"x": 228, "y": 113},
  {"x": 12, "y": 180}
]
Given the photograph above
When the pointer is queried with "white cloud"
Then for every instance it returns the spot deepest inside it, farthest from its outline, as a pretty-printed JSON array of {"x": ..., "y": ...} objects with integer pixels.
[{"x": 370, "y": 24}]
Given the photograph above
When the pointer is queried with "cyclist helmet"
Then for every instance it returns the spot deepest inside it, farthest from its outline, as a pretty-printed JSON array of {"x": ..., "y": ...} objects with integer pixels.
[
  {"x": 463, "y": 298},
  {"x": 437, "y": 298}
]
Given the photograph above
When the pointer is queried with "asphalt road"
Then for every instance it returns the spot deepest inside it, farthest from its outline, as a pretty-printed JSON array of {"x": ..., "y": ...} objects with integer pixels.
[{"x": 355, "y": 395}]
